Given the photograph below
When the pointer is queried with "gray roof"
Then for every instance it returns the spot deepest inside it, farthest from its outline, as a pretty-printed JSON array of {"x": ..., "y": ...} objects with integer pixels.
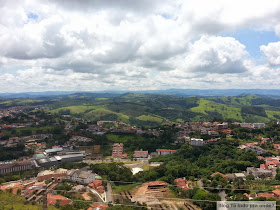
[
  {"x": 57, "y": 149},
  {"x": 82, "y": 174}
]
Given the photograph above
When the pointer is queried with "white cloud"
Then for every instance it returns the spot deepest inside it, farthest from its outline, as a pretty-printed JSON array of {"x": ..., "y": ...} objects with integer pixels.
[
  {"x": 123, "y": 44},
  {"x": 216, "y": 55},
  {"x": 272, "y": 52}
]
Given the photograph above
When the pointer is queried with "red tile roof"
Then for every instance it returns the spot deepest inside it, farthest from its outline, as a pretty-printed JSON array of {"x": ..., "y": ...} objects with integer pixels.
[
  {"x": 266, "y": 195},
  {"x": 223, "y": 175},
  {"x": 276, "y": 192},
  {"x": 52, "y": 199},
  {"x": 156, "y": 183}
]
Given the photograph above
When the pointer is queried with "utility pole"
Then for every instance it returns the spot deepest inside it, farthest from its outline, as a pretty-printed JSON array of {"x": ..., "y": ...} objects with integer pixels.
[{"x": 45, "y": 200}]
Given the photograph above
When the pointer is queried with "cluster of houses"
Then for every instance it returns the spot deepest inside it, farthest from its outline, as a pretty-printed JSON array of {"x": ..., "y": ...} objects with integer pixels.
[{"x": 83, "y": 181}]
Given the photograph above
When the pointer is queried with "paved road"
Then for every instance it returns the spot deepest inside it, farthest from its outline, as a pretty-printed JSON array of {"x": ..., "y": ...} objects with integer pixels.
[
  {"x": 97, "y": 195},
  {"x": 223, "y": 195},
  {"x": 200, "y": 184},
  {"x": 109, "y": 193}
]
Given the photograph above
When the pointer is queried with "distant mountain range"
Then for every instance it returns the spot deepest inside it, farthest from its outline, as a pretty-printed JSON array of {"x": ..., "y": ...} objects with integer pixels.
[{"x": 171, "y": 92}]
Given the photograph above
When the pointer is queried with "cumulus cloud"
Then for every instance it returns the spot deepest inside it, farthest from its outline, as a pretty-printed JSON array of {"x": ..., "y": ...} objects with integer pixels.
[
  {"x": 272, "y": 52},
  {"x": 216, "y": 55},
  {"x": 123, "y": 44}
]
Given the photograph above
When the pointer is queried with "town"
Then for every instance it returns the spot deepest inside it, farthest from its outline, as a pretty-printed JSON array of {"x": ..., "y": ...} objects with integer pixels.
[{"x": 60, "y": 161}]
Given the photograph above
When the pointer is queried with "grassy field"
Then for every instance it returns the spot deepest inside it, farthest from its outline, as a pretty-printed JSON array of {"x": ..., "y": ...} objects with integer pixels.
[
  {"x": 102, "y": 112},
  {"x": 10, "y": 201},
  {"x": 227, "y": 112},
  {"x": 150, "y": 118},
  {"x": 33, "y": 129},
  {"x": 123, "y": 138},
  {"x": 121, "y": 188},
  {"x": 76, "y": 109}
]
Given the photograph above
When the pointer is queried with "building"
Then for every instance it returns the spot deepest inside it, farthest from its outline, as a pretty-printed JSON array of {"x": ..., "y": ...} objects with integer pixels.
[
  {"x": 165, "y": 151},
  {"x": 141, "y": 154},
  {"x": 181, "y": 183},
  {"x": 222, "y": 126},
  {"x": 81, "y": 176},
  {"x": 258, "y": 125},
  {"x": 52, "y": 175},
  {"x": 96, "y": 149},
  {"x": 257, "y": 172},
  {"x": 196, "y": 142},
  {"x": 53, "y": 151},
  {"x": 53, "y": 199},
  {"x": 155, "y": 164},
  {"x": 117, "y": 150},
  {"x": 276, "y": 194},
  {"x": 157, "y": 186},
  {"x": 256, "y": 149},
  {"x": 16, "y": 166},
  {"x": 52, "y": 161}
]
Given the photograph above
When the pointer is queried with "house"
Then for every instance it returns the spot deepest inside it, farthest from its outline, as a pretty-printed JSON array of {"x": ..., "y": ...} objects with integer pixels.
[
  {"x": 239, "y": 175},
  {"x": 256, "y": 149},
  {"x": 196, "y": 142},
  {"x": 218, "y": 173},
  {"x": 165, "y": 151},
  {"x": 276, "y": 146},
  {"x": 258, "y": 125},
  {"x": 257, "y": 172},
  {"x": 141, "y": 154},
  {"x": 97, "y": 206},
  {"x": 276, "y": 194},
  {"x": 53, "y": 199},
  {"x": 181, "y": 183},
  {"x": 81, "y": 176},
  {"x": 266, "y": 195}
]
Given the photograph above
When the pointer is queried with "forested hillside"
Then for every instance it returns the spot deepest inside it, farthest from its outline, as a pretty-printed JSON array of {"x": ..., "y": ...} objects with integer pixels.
[{"x": 153, "y": 110}]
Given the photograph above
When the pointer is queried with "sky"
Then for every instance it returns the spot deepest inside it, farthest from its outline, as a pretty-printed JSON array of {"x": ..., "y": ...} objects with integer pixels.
[{"x": 95, "y": 45}]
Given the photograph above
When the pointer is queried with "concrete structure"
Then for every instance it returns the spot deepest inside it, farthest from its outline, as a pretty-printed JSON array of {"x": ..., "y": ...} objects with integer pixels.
[
  {"x": 52, "y": 175},
  {"x": 196, "y": 142},
  {"x": 256, "y": 149},
  {"x": 157, "y": 186},
  {"x": 258, "y": 125},
  {"x": 54, "y": 150},
  {"x": 16, "y": 166},
  {"x": 117, "y": 150},
  {"x": 52, "y": 161},
  {"x": 257, "y": 172},
  {"x": 140, "y": 154},
  {"x": 81, "y": 176},
  {"x": 165, "y": 151}
]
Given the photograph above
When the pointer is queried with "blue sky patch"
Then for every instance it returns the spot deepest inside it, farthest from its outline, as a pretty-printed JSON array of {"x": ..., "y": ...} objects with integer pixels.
[
  {"x": 32, "y": 16},
  {"x": 253, "y": 39}
]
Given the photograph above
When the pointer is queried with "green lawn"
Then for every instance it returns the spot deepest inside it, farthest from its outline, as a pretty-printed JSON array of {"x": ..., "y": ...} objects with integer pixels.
[
  {"x": 76, "y": 109},
  {"x": 123, "y": 138},
  {"x": 101, "y": 112},
  {"x": 226, "y": 111},
  {"x": 121, "y": 188},
  {"x": 10, "y": 201},
  {"x": 150, "y": 118}
]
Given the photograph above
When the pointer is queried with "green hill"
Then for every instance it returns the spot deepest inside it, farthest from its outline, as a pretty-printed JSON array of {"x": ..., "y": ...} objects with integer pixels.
[{"x": 153, "y": 110}]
